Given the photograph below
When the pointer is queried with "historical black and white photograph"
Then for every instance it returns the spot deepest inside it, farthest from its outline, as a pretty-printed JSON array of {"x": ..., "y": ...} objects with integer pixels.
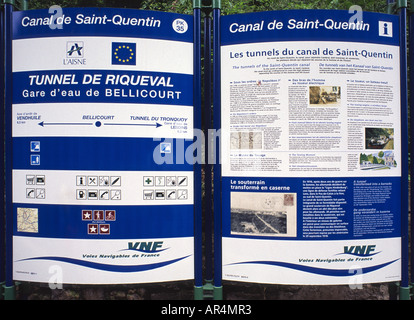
[{"x": 263, "y": 214}]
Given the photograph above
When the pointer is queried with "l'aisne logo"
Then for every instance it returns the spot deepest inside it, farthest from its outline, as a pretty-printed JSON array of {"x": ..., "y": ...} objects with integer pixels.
[
  {"x": 124, "y": 53},
  {"x": 74, "y": 53}
]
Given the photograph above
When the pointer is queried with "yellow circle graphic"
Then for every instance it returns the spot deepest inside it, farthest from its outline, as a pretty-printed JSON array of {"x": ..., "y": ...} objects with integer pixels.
[{"x": 123, "y": 53}]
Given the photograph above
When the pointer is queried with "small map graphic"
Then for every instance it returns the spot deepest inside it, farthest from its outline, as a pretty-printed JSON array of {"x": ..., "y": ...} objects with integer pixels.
[{"x": 27, "y": 220}]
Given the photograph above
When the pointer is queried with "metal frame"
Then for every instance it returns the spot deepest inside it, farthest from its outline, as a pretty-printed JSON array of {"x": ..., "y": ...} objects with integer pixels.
[{"x": 9, "y": 288}]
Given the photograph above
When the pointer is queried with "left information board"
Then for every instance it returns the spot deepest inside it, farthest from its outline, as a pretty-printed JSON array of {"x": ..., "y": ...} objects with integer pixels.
[{"x": 102, "y": 99}]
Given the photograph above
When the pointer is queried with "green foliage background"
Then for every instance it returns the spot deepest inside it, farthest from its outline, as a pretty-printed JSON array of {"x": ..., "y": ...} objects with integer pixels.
[{"x": 228, "y": 6}]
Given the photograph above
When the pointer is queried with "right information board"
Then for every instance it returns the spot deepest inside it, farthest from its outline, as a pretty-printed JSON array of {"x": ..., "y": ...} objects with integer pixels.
[{"x": 311, "y": 147}]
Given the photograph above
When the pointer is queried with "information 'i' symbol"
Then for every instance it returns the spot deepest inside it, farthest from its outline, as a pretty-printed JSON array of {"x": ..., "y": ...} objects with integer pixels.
[{"x": 385, "y": 28}]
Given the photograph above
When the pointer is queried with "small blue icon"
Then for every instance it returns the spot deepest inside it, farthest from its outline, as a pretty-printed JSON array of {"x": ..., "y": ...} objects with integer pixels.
[
  {"x": 35, "y": 159},
  {"x": 34, "y": 146},
  {"x": 165, "y": 147}
]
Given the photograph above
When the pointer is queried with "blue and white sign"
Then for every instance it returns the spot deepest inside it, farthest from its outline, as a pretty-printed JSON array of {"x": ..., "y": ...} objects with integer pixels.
[
  {"x": 311, "y": 147},
  {"x": 96, "y": 94}
]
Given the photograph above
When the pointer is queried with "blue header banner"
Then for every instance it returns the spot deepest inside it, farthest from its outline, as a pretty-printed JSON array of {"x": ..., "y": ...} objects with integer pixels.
[
  {"x": 102, "y": 22},
  {"x": 102, "y": 86},
  {"x": 310, "y": 25}
]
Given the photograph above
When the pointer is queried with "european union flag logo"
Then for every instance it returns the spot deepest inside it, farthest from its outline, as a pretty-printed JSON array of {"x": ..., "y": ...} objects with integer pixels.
[{"x": 124, "y": 53}]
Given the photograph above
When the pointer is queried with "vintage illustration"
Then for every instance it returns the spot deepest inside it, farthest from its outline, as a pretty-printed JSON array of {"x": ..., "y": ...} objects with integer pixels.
[
  {"x": 263, "y": 214},
  {"x": 324, "y": 95}
]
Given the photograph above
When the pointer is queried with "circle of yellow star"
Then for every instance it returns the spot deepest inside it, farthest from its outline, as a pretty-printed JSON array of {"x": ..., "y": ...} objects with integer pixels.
[{"x": 128, "y": 49}]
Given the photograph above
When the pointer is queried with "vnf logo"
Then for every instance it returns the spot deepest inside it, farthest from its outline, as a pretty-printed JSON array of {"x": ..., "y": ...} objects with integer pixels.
[
  {"x": 124, "y": 53},
  {"x": 385, "y": 29},
  {"x": 74, "y": 49},
  {"x": 362, "y": 251},
  {"x": 146, "y": 247}
]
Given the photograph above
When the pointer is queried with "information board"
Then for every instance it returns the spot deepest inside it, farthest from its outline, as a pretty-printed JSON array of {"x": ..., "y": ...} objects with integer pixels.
[
  {"x": 311, "y": 147},
  {"x": 102, "y": 101}
]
